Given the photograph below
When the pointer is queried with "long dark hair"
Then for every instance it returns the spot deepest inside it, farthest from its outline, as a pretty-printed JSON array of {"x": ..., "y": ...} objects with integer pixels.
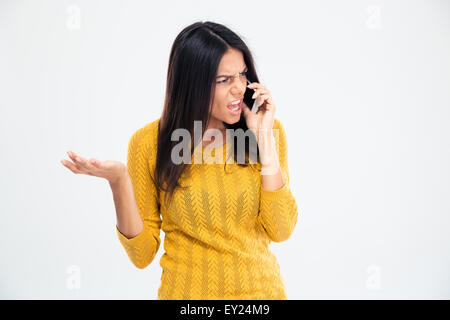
[{"x": 194, "y": 60}]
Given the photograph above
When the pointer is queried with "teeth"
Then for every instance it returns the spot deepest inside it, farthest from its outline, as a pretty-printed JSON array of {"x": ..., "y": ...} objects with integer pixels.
[{"x": 237, "y": 102}]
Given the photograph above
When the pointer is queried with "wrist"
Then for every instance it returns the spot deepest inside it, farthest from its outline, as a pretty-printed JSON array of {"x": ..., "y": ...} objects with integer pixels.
[
  {"x": 266, "y": 143},
  {"x": 120, "y": 179},
  {"x": 263, "y": 135},
  {"x": 269, "y": 165}
]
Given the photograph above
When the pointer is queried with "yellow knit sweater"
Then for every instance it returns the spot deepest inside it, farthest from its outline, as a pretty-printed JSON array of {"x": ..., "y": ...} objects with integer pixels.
[{"x": 217, "y": 232}]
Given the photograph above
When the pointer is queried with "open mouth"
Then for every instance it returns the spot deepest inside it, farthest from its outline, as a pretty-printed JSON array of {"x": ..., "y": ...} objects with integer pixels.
[{"x": 235, "y": 108}]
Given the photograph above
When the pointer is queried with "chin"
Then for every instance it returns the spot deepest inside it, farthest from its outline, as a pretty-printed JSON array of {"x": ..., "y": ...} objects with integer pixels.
[
  {"x": 232, "y": 120},
  {"x": 230, "y": 123}
]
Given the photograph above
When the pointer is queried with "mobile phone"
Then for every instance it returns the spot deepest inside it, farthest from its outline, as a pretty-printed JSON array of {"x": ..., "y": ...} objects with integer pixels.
[{"x": 256, "y": 102}]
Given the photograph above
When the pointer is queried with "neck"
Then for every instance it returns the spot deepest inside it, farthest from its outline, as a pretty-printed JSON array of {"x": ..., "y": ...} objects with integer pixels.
[{"x": 214, "y": 124}]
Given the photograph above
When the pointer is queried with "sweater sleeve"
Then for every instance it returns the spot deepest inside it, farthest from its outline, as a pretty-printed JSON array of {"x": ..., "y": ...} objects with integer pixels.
[
  {"x": 278, "y": 209},
  {"x": 142, "y": 248}
]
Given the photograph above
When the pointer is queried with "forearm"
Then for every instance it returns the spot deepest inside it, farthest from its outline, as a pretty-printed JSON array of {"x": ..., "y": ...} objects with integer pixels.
[
  {"x": 271, "y": 175},
  {"x": 129, "y": 221},
  {"x": 278, "y": 210}
]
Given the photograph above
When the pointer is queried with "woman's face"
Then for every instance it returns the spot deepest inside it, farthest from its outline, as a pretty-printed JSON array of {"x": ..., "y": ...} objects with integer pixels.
[{"x": 231, "y": 84}]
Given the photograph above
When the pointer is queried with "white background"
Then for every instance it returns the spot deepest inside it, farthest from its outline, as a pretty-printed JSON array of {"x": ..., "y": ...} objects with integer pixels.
[{"x": 362, "y": 88}]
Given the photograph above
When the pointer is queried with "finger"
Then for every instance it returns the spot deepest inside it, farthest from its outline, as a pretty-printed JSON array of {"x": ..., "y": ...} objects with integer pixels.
[
  {"x": 71, "y": 166},
  {"x": 259, "y": 92},
  {"x": 263, "y": 98},
  {"x": 94, "y": 162},
  {"x": 255, "y": 85},
  {"x": 77, "y": 160},
  {"x": 81, "y": 164},
  {"x": 73, "y": 157},
  {"x": 252, "y": 85},
  {"x": 255, "y": 94},
  {"x": 84, "y": 164},
  {"x": 269, "y": 104}
]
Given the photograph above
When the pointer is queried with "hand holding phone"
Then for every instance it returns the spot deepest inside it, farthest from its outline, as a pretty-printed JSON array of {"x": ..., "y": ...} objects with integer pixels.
[{"x": 256, "y": 102}]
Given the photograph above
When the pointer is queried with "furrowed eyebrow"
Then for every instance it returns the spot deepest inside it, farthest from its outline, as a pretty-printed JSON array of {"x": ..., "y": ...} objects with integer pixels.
[{"x": 245, "y": 69}]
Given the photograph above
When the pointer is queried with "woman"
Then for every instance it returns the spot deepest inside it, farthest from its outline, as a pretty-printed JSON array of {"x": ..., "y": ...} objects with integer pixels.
[{"x": 218, "y": 219}]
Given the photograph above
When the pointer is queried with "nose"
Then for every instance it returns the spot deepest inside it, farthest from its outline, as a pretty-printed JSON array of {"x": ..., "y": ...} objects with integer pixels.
[{"x": 238, "y": 86}]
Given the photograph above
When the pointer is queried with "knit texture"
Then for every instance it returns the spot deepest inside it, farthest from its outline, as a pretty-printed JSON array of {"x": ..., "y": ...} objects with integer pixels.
[{"x": 218, "y": 231}]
